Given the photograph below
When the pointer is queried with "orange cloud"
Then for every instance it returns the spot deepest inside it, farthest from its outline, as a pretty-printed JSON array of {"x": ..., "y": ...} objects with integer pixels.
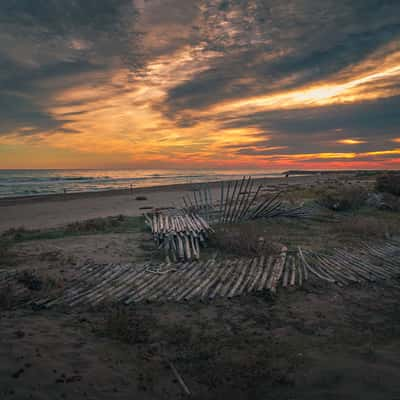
[{"x": 350, "y": 141}]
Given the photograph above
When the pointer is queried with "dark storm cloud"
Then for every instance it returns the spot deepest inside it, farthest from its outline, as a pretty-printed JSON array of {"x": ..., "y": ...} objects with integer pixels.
[
  {"x": 318, "y": 129},
  {"x": 277, "y": 45},
  {"x": 47, "y": 45},
  {"x": 96, "y": 25}
]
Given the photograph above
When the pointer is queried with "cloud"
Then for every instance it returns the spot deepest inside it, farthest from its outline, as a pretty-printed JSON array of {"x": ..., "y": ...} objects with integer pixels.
[
  {"x": 207, "y": 82},
  {"x": 318, "y": 129},
  {"x": 47, "y": 46},
  {"x": 270, "y": 46}
]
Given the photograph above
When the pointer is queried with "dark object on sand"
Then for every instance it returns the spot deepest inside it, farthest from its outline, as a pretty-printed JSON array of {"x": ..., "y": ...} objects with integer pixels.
[{"x": 140, "y": 198}]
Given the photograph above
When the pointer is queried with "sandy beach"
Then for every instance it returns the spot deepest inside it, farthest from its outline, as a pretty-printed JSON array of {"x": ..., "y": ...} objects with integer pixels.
[{"x": 36, "y": 212}]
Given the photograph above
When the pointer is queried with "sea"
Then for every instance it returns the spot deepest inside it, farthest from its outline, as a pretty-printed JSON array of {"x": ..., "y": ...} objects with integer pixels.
[{"x": 16, "y": 183}]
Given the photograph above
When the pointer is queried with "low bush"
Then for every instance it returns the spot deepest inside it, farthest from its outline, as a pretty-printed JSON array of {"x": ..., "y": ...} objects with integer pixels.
[
  {"x": 388, "y": 183},
  {"x": 344, "y": 198}
]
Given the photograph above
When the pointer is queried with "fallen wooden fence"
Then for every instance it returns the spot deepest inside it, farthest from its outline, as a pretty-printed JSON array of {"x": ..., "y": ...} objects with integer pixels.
[
  {"x": 370, "y": 263},
  {"x": 240, "y": 200},
  {"x": 180, "y": 235},
  {"x": 94, "y": 284},
  {"x": 209, "y": 279}
]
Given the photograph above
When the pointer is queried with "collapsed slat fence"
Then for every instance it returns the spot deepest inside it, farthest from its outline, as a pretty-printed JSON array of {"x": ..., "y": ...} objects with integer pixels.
[
  {"x": 241, "y": 200},
  {"x": 206, "y": 280},
  {"x": 180, "y": 235}
]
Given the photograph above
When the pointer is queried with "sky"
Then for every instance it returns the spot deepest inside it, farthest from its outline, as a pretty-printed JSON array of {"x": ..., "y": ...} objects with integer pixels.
[{"x": 219, "y": 84}]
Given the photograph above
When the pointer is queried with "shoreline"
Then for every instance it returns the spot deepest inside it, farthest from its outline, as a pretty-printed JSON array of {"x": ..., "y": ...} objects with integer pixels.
[
  {"x": 14, "y": 200},
  {"x": 52, "y": 211},
  {"x": 293, "y": 175}
]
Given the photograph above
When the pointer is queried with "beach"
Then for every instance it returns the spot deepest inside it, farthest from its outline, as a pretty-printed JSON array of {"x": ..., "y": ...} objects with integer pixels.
[
  {"x": 47, "y": 211},
  {"x": 66, "y": 260}
]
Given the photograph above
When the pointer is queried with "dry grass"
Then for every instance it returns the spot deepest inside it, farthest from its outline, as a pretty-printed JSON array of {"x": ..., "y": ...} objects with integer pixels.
[
  {"x": 116, "y": 224},
  {"x": 246, "y": 239},
  {"x": 95, "y": 225},
  {"x": 367, "y": 227}
]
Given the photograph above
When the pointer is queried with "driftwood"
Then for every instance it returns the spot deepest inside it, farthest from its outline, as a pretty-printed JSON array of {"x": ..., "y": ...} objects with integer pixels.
[{"x": 179, "y": 378}]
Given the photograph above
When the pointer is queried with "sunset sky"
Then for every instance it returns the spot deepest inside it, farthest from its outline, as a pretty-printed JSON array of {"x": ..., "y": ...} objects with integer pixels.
[{"x": 296, "y": 84}]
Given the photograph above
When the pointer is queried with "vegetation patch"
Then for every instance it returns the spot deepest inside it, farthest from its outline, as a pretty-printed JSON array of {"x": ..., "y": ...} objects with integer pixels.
[
  {"x": 345, "y": 198},
  {"x": 247, "y": 239},
  {"x": 362, "y": 227},
  {"x": 118, "y": 224}
]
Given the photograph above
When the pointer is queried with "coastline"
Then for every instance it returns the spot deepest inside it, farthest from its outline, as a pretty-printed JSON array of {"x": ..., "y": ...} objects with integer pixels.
[
  {"x": 12, "y": 200},
  {"x": 50, "y": 211}
]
